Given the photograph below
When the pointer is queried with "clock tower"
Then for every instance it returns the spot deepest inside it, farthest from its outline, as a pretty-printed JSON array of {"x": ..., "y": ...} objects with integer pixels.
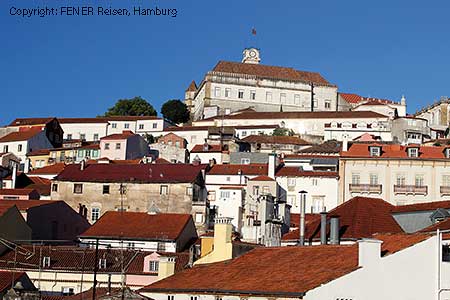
[{"x": 251, "y": 56}]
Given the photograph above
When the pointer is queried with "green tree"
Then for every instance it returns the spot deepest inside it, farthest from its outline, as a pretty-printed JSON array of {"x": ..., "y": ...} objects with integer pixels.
[
  {"x": 283, "y": 132},
  {"x": 131, "y": 107},
  {"x": 175, "y": 111}
]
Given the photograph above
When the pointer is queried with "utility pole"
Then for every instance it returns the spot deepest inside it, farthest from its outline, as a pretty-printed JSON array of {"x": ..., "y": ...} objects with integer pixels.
[{"x": 95, "y": 269}]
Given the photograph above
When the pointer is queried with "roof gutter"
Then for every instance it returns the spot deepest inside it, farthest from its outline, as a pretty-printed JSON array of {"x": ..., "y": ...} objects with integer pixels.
[{"x": 220, "y": 291}]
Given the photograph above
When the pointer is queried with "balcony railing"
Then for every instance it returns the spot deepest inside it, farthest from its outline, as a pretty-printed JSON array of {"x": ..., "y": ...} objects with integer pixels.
[
  {"x": 445, "y": 190},
  {"x": 366, "y": 188},
  {"x": 410, "y": 189}
]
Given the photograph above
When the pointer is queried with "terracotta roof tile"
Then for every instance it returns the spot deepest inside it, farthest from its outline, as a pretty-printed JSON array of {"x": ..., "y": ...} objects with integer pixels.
[
  {"x": 265, "y": 71},
  {"x": 119, "y": 136},
  {"x": 192, "y": 87},
  {"x": 201, "y": 148},
  {"x": 30, "y": 121},
  {"x": 18, "y": 192},
  {"x": 269, "y": 139},
  {"x": 298, "y": 172},
  {"x": 394, "y": 242},
  {"x": 421, "y": 206},
  {"x": 250, "y": 169},
  {"x": 357, "y": 99},
  {"x": 82, "y": 120},
  {"x": 152, "y": 226},
  {"x": 357, "y": 150},
  {"x": 132, "y": 118},
  {"x": 351, "y": 98},
  {"x": 48, "y": 170},
  {"x": 24, "y": 205},
  {"x": 138, "y": 173},
  {"x": 8, "y": 279},
  {"x": 329, "y": 147},
  {"x": 359, "y": 217},
  {"x": 266, "y": 271},
  {"x": 20, "y": 135}
]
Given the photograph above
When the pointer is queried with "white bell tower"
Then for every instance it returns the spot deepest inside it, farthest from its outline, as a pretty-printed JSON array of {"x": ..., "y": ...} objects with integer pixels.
[{"x": 251, "y": 56}]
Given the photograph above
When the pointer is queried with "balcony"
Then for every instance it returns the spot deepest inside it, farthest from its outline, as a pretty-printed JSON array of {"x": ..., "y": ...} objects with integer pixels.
[
  {"x": 445, "y": 190},
  {"x": 410, "y": 190},
  {"x": 366, "y": 188}
]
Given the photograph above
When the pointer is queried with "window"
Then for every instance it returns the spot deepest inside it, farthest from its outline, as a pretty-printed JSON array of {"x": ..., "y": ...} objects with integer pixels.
[
  {"x": 198, "y": 218},
  {"x": 266, "y": 190},
  {"x": 292, "y": 200},
  {"x": 244, "y": 133},
  {"x": 114, "y": 125},
  {"x": 413, "y": 152},
  {"x": 127, "y": 125},
  {"x": 170, "y": 297},
  {"x": 68, "y": 291},
  {"x": 419, "y": 180},
  {"x": 46, "y": 261},
  {"x": 189, "y": 191},
  {"x": 225, "y": 194},
  {"x": 94, "y": 153},
  {"x": 69, "y": 137},
  {"x": 19, "y": 148},
  {"x": 153, "y": 266},
  {"x": 227, "y": 92},
  {"x": 5, "y": 148},
  {"x": 161, "y": 246},
  {"x": 245, "y": 161},
  {"x": 95, "y": 136},
  {"x": 54, "y": 187},
  {"x": 375, "y": 151},
  {"x": 78, "y": 188},
  {"x": 82, "y": 136},
  {"x": 131, "y": 245},
  {"x": 106, "y": 146},
  {"x": 241, "y": 94},
  {"x": 327, "y": 104},
  {"x": 291, "y": 181},
  {"x": 193, "y": 298},
  {"x": 228, "y": 178},
  {"x": 163, "y": 189},
  {"x": 318, "y": 204},
  {"x": 217, "y": 92},
  {"x": 155, "y": 125},
  {"x": 315, "y": 181},
  {"x": 256, "y": 190},
  {"x": 269, "y": 97},
  {"x": 356, "y": 178},
  {"x": 212, "y": 195},
  {"x": 177, "y": 144},
  {"x": 117, "y": 146},
  {"x": 252, "y": 95},
  {"x": 297, "y": 99},
  {"x": 401, "y": 180},
  {"x": 141, "y": 126},
  {"x": 95, "y": 214},
  {"x": 373, "y": 179},
  {"x": 315, "y": 103},
  {"x": 105, "y": 189},
  {"x": 283, "y": 98},
  {"x": 102, "y": 263},
  {"x": 445, "y": 180}
]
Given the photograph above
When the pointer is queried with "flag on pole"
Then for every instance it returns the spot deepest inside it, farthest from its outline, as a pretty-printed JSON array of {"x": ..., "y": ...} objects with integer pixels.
[{"x": 253, "y": 31}]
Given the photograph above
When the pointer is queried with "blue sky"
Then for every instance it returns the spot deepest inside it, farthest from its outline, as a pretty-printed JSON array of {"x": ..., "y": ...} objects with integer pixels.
[{"x": 79, "y": 66}]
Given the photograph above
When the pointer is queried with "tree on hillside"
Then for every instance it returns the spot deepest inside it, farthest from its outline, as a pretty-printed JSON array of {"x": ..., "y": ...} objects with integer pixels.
[
  {"x": 283, "y": 132},
  {"x": 175, "y": 111},
  {"x": 131, "y": 107}
]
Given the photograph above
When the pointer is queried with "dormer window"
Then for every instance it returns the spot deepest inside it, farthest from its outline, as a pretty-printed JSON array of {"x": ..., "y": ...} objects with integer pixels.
[
  {"x": 413, "y": 152},
  {"x": 447, "y": 152},
  {"x": 375, "y": 151},
  {"x": 46, "y": 262}
]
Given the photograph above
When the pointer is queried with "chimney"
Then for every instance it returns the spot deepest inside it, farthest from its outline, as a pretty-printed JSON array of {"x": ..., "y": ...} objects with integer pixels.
[
  {"x": 369, "y": 252},
  {"x": 334, "y": 230},
  {"x": 302, "y": 195},
  {"x": 323, "y": 228},
  {"x": 403, "y": 100},
  {"x": 272, "y": 165},
  {"x": 82, "y": 165},
  {"x": 14, "y": 176},
  {"x": 166, "y": 267},
  {"x": 345, "y": 143},
  {"x": 212, "y": 162}
]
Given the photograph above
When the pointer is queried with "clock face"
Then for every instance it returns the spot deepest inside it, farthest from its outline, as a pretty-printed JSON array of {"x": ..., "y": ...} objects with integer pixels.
[{"x": 252, "y": 53}]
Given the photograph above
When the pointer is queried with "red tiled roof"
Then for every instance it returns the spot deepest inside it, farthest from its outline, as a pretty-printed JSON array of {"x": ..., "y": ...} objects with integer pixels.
[
  {"x": 132, "y": 118},
  {"x": 262, "y": 178},
  {"x": 274, "y": 72},
  {"x": 295, "y": 219},
  {"x": 357, "y": 99},
  {"x": 119, "y": 136},
  {"x": 24, "y": 205},
  {"x": 359, "y": 217},
  {"x": 394, "y": 242},
  {"x": 357, "y": 150},
  {"x": 298, "y": 172},
  {"x": 138, "y": 173},
  {"x": 48, "y": 170},
  {"x": 192, "y": 87},
  {"x": 20, "y": 135},
  {"x": 30, "y": 121},
  {"x": 250, "y": 169},
  {"x": 329, "y": 147},
  {"x": 8, "y": 279},
  {"x": 39, "y": 152},
  {"x": 284, "y": 271},
  {"x": 269, "y": 139},
  {"x": 82, "y": 120},
  {"x": 17, "y": 192},
  {"x": 186, "y": 128},
  {"x": 160, "y": 160},
  {"x": 211, "y": 148},
  {"x": 421, "y": 206},
  {"x": 442, "y": 225},
  {"x": 151, "y": 226},
  {"x": 351, "y": 98}
]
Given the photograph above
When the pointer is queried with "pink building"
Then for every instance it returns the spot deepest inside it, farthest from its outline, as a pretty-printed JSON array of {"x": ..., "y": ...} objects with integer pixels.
[{"x": 123, "y": 146}]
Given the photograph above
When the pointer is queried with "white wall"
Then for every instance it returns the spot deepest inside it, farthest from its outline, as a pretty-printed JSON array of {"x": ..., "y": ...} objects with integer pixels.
[
  {"x": 138, "y": 244},
  {"x": 88, "y": 129}
]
